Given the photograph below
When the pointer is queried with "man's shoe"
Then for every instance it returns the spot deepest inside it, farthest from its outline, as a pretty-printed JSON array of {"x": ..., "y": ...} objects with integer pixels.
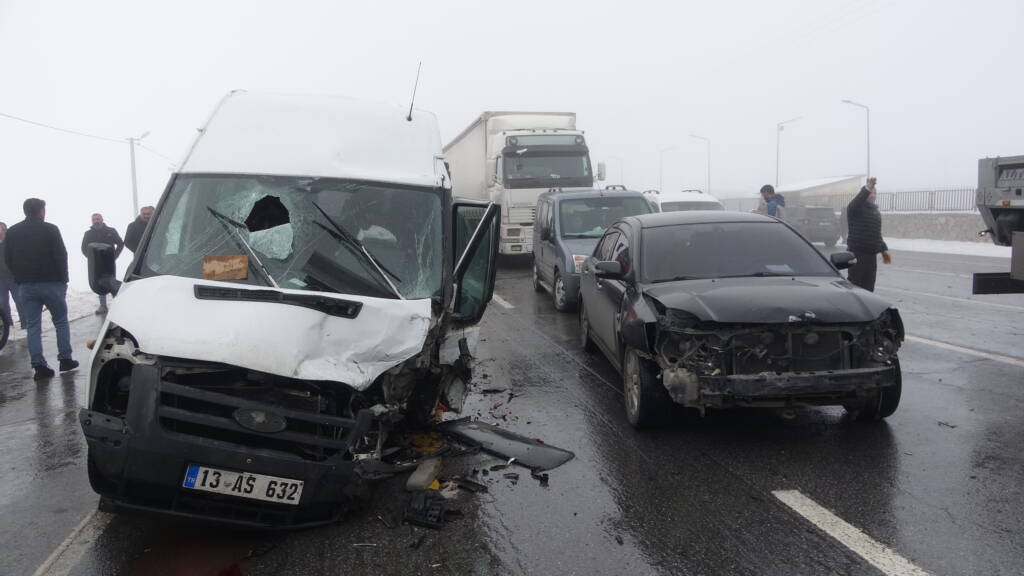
[
  {"x": 43, "y": 372},
  {"x": 66, "y": 365},
  {"x": 101, "y": 311}
]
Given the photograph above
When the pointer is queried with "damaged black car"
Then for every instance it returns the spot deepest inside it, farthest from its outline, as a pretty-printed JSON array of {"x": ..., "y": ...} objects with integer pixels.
[{"x": 726, "y": 309}]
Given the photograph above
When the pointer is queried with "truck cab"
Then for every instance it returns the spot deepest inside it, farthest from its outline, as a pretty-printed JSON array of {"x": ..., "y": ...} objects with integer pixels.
[{"x": 307, "y": 286}]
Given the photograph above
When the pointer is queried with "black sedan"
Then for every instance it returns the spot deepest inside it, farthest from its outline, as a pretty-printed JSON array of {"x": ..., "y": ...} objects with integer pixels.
[{"x": 726, "y": 309}]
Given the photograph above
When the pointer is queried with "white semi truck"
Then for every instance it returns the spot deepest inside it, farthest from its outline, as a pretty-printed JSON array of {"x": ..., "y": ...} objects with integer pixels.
[
  {"x": 510, "y": 158},
  {"x": 1001, "y": 203}
]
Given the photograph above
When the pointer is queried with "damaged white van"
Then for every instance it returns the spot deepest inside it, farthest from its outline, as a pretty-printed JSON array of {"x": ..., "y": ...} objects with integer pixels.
[{"x": 306, "y": 285}]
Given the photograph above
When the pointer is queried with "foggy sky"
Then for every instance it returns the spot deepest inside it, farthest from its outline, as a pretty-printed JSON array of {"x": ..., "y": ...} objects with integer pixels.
[{"x": 942, "y": 79}]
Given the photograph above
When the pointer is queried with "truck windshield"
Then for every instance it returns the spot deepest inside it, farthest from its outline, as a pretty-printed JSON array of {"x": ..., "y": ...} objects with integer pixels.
[
  {"x": 316, "y": 234},
  {"x": 590, "y": 217},
  {"x": 540, "y": 170}
]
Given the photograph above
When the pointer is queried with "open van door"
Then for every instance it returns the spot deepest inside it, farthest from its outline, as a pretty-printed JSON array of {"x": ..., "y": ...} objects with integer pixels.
[{"x": 475, "y": 240}]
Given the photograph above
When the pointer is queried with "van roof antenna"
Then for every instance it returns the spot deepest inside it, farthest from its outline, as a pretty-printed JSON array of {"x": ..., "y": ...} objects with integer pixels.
[{"x": 414, "y": 86}]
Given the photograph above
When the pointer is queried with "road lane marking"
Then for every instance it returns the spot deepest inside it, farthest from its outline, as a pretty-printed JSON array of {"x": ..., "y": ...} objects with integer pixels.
[
  {"x": 502, "y": 302},
  {"x": 953, "y": 298},
  {"x": 969, "y": 351},
  {"x": 877, "y": 554},
  {"x": 66, "y": 556}
]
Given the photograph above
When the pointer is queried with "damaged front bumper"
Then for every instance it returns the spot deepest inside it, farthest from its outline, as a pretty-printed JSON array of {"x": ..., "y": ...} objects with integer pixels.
[
  {"x": 783, "y": 389},
  {"x": 140, "y": 460}
]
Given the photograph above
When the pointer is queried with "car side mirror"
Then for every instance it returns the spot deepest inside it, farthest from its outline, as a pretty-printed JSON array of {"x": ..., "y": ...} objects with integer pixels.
[
  {"x": 842, "y": 260},
  {"x": 609, "y": 269},
  {"x": 475, "y": 239},
  {"x": 102, "y": 269}
]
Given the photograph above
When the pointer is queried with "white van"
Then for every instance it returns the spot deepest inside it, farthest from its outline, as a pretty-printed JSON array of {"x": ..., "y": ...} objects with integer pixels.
[
  {"x": 687, "y": 200},
  {"x": 306, "y": 284}
]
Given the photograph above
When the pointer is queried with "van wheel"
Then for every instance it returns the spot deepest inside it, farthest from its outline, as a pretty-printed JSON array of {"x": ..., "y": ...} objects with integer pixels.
[
  {"x": 585, "y": 341},
  {"x": 536, "y": 278},
  {"x": 647, "y": 402},
  {"x": 558, "y": 294},
  {"x": 885, "y": 401}
]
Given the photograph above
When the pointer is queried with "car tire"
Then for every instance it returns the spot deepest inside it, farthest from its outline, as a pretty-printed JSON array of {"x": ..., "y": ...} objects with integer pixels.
[
  {"x": 884, "y": 403},
  {"x": 647, "y": 402},
  {"x": 831, "y": 243},
  {"x": 536, "y": 278},
  {"x": 559, "y": 296},
  {"x": 585, "y": 340}
]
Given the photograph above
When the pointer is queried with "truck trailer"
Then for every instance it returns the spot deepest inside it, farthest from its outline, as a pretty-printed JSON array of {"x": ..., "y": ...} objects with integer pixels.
[
  {"x": 511, "y": 158},
  {"x": 1000, "y": 199}
]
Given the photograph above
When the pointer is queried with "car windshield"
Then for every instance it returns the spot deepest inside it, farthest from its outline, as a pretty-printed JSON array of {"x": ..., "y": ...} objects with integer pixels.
[
  {"x": 727, "y": 250},
  {"x": 590, "y": 217},
  {"x": 316, "y": 234},
  {"x": 531, "y": 170},
  {"x": 682, "y": 206}
]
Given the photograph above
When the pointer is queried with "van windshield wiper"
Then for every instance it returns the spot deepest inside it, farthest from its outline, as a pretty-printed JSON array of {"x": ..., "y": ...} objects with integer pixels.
[
  {"x": 343, "y": 235},
  {"x": 232, "y": 227}
]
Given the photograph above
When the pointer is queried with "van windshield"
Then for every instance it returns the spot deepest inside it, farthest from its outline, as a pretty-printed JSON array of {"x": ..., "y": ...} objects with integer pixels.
[
  {"x": 300, "y": 233},
  {"x": 590, "y": 217}
]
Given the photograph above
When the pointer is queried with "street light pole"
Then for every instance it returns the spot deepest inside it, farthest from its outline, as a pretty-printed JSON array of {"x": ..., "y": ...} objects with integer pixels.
[
  {"x": 867, "y": 116},
  {"x": 661, "y": 167},
  {"x": 707, "y": 144},
  {"x": 135, "y": 185},
  {"x": 778, "y": 138}
]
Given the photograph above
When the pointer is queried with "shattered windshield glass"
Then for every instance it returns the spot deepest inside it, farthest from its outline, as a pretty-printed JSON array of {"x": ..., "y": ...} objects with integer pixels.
[{"x": 317, "y": 234}]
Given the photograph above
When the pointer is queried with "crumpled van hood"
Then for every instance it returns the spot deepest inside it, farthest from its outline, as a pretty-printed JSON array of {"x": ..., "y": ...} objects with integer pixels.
[
  {"x": 770, "y": 300},
  {"x": 166, "y": 318}
]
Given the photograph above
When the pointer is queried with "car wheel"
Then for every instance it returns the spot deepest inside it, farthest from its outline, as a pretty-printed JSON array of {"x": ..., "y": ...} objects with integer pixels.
[
  {"x": 647, "y": 402},
  {"x": 885, "y": 401},
  {"x": 831, "y": 243},
  {"x": 536, "y": 278},
  {"x": 585, "y": 341},
  {"x": 559, "y": 295}
]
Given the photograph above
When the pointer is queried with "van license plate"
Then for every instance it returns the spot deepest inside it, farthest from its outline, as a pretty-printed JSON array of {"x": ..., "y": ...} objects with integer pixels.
[{"x": 243, "y": 484}]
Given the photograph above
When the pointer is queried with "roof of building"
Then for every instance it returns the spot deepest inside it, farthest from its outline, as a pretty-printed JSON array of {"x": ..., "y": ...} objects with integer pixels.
[{"x": 322, "y": 136}]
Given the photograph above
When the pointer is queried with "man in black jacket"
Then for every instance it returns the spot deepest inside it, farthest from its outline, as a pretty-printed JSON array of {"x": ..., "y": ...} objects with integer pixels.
[
  {"x": 864, "y": 237},
  {"x": 36, "y": 256},
  {"x": 100, "y": 233},
  {"x": 133, "y": 235}
]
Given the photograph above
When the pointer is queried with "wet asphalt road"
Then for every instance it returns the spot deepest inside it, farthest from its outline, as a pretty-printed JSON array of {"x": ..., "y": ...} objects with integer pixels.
[{"x": 941, "y": 483}]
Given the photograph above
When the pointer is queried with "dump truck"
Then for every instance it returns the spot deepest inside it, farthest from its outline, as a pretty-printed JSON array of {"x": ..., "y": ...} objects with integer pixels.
[{"x": 1000, "y": 199}]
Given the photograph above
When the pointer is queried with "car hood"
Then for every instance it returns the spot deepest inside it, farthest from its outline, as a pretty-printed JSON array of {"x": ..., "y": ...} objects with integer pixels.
[
  {"x": 584, "y": 246},
  {"x": 167, "y": 319},
  {"x": 770, "y": 300}
]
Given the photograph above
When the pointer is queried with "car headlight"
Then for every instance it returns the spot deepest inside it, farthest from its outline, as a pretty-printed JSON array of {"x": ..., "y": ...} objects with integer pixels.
[{"x": 578, "y": 260}]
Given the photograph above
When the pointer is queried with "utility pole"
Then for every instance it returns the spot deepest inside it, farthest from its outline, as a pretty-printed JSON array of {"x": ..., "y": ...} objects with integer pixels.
[
  {"x": 778, "y": 139},
  {"x": 707, "y": 143},
  {"x": 135, "y": 184},
  {"x": 867, "y": 115}
]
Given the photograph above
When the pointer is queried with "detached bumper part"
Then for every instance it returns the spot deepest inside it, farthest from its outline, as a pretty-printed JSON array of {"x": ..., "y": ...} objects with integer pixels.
[{"x": 139, "y": 461}]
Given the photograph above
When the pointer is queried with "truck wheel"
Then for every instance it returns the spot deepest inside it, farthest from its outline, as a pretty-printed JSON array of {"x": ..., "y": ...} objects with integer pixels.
[
  {"x": 559, "y": 295},
  {"x": 647, "y": 402},
  {"x": 536, "y": 278},
  {"x": 885, "y": 401},
  {"x": 585, "y": 341},
  {"x": 831, "y": 242}
]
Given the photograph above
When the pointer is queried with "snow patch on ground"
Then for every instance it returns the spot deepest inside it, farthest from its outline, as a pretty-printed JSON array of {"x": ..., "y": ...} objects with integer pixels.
[
  {"x": 948, "y": 247},
  {"x": 80, "y": 305}
]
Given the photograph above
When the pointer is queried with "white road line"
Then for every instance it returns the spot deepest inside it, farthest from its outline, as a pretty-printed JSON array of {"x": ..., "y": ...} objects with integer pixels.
[
  {"x": 877, "y": 554},
  {"x": 502, "y": 302},
  {"x": 970, "y": 351},
  {"x": 953, "y": 298},
  {"x": 70, "y": 551}
]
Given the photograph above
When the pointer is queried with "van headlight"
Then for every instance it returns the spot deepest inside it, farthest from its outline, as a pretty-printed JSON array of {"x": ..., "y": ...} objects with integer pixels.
[{"x": 578, "y": 260}]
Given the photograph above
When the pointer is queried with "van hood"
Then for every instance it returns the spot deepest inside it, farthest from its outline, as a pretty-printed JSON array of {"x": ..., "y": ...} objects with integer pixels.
[
  {"x": 770, "y": 300},
  {"x": 167, "y": 318}
]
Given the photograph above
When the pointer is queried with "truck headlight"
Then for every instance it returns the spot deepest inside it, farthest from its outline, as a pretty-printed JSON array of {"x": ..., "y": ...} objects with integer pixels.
[
  {"x": 513, "y": 232},
  {"x": 578, "y": 260}
]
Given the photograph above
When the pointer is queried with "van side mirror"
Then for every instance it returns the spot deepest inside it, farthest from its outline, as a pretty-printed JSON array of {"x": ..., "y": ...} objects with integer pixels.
[
  {"x": 102, "y": 269},
  {"x": 545, "y": 233},
  {"x": 475, "y": 239},
  {"x": 842, "y": 260},
  {"x": 601, "y": 171},
  {"x": 609, "y": 269}
]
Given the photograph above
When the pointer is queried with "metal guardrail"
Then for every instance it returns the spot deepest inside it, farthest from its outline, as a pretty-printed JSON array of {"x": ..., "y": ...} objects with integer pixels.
[{"x": 937, "y": 200}]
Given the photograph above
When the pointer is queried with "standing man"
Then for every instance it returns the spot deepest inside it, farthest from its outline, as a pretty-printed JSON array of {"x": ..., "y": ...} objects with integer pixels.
[
  {"x": 100, "y": 233},
  {"x": 36, "y": 255},
  {"x": 864, "y": 237},
  {"x": 773, "y": 202},
  {"x": 133, "y": 236},
  {"x": 7, "y": 286}
]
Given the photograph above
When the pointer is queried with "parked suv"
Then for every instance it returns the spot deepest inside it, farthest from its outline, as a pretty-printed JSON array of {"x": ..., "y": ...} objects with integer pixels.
[
  {"x": 816, "y": 223},
  {"x": 567, "y": 229}
]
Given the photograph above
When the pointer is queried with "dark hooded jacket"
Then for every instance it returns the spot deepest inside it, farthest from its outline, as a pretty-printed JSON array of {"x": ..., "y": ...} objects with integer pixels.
[
  {"x": 133, "y": 236},
  {"x": 864, "y": 225},
  {"x": 35, "y": 252}
]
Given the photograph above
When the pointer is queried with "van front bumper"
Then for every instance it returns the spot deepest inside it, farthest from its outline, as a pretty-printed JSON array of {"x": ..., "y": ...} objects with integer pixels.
[{"x": 136, "y": 462}]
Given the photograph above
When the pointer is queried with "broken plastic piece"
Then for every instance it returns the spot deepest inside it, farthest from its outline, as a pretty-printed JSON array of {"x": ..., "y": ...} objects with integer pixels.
[
  {"x": 542, "y": 478},
  {"x": 435, "y": 485},
  {"x": 527, "y": 452},
  {"x": 467, "y": 484},
  {"x": 424, "y": 475},
  {"x": 426, "y": 509}
]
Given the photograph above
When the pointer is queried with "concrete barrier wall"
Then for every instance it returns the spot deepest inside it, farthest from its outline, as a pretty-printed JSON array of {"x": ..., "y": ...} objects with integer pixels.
[{"x": 963, "y": 227}]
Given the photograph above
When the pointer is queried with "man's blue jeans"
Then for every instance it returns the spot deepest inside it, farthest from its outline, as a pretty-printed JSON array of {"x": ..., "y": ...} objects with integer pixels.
[{"x": 53, "y": 295}]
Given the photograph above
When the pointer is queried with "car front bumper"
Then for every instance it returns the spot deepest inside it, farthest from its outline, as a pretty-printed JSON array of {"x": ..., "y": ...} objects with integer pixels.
[{"x": 831, "y": 387}]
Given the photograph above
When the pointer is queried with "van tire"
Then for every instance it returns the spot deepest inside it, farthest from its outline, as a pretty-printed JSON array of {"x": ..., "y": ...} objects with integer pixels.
[
  {"x": 536, "y": 278},
  {"x": 558, "y": 294}
]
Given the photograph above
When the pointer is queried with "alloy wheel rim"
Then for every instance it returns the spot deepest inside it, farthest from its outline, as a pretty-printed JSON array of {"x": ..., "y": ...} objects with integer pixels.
[
  {"x": 559, "y": 291},
  {"x": 632, "y": 387}
]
